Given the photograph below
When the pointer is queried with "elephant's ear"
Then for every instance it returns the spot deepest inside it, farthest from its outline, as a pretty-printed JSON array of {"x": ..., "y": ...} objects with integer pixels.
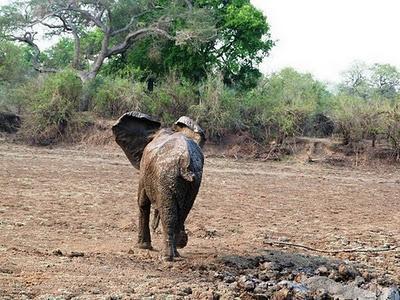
[
  {"x": 133, "y": 131},
  {"x": 191, "y": 129}
]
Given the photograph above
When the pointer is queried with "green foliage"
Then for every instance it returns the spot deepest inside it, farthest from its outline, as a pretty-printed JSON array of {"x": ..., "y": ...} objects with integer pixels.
[
  {"x": 114, "y": 97},
  {"x": 61, "y": 54},
  {"x": 392, "y": 123},
  {"x": 218, "y": 109},
  {"x": 280, "y": 106},
  {"x": 240, "y": 41},
  {"x": 53, "y": 104},
  {"x": 14, "y": 66},
  {"x": 371, "y": 82},
  {"x": 171, "y": 99}
]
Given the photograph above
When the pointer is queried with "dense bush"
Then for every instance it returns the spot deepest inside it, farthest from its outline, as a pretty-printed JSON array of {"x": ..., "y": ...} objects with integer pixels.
[
  {"x": 170, "y": 99},
  {"x": 283, "y": 105},
  {"x": 218, "y": 108},
  {"x": 113, "y": 97},
  {"x": 51, "y": 103}
]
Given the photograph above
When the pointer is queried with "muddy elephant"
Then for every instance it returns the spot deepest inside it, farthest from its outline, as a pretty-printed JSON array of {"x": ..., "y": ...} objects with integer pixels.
[{"x": 170, "y": 161}]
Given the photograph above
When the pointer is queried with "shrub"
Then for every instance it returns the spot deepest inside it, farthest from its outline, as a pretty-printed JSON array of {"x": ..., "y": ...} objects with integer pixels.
[
  {"x": 218, "y": 109},
  {"x": 170, "y": 99},
  {"x": 52, "y": 105},
  {"x": 357, "y": 118},
  {"x": 281, "y": 104},
  {"x": 392, "y": 123},
  {"x": 113, "y": 97}
]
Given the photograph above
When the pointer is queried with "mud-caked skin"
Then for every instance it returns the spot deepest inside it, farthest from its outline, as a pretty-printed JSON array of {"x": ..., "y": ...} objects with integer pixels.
[{"x": 171, "y": 169}]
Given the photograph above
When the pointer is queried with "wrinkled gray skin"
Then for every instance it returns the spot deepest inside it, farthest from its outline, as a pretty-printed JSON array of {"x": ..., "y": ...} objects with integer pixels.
[{"x": 171, "y": 167}]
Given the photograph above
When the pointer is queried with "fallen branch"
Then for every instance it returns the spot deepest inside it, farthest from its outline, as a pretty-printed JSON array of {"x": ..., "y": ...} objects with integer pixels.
[{"x": 353, "y": 250}]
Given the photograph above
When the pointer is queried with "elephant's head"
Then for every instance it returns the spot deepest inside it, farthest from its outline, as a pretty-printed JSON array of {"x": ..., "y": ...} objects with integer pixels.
[
  {"x": 134, "y": 130},
  {"x": 191, "y": 129}
]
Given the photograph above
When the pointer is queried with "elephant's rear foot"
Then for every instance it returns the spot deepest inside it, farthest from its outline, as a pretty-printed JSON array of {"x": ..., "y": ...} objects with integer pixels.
[{"x": 145, "y": 245}]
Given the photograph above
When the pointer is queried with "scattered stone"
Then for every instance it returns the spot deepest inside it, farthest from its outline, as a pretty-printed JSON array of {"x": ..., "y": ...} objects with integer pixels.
[
  {"x": 249, "y": 285},
  {"x": 187, "y": 290},
  {"x": 322, "y": 271},
  {"x": 300, "y": 277},
  {"x": 76, "y": 254},
  {"x": 261, "y": 288},
  {"x": 358, "y": 281},
  {"x": 131, "y": 251},
  {"x": 282, "y": 294},
  {"x": 234, "y": 286},
  {"x": 261, "y": 297},
  {"x": 347, "y": 272},
  {"x": 390, "y": 294},
  {"x": 229, "y": 279},
  {"x": 114, "y": 297},
  {"x": 338, "y": 290},
  {"x": 57, "y": 252},
  {"x": 265, "y": 276}
]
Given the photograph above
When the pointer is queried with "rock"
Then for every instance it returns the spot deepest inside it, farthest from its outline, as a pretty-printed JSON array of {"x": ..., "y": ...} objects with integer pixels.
[
  {"x": 57, "y": 252},
  {"x": 334, "y": 275},
  {"x": 261, "y": 297},
  {"x": 229, "y": 279},
  {"x": 347, "y": 272},
  {"x": 234, "y": 286},
  {"x": 390, "y": 294},
  {"x": 338, "y": 290},
  {"x": 358, "y": 281},
  {"x": 249, "y": 285},
  {"x": 322, "y": 271},
  {"x": 187, "y": 290},
  {"x": 76, "y": 254},
  {"x": 261, "y": 288},
  {"x": 282, "y": 294},
  {"x": 211, "y": 295},
  {"x": 300, "y": 277},
  {"x": 269, "y": 266}
]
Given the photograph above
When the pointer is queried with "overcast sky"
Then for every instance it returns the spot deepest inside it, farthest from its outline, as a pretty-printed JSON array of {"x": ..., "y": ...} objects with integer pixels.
[{"x": 324, "y": 37}]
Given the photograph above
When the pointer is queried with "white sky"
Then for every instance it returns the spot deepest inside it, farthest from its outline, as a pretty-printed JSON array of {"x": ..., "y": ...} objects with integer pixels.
[{"x": 324, "y": 37}]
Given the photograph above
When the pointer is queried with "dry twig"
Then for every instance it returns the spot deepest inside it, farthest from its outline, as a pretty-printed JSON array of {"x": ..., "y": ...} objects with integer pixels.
[{"x": 352, "y": 250}]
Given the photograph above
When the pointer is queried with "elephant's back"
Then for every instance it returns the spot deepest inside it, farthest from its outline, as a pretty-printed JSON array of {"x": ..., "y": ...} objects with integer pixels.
[{"x": 162, "y": 163}]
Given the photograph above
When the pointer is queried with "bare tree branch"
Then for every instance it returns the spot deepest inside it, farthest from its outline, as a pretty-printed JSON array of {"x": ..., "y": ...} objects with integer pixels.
[
  {"x": 28, "y": 39},
  {"x": 88, "y": 16},
  {"x": 131, "y": 37},
  {"x": 132, "y": 20}
]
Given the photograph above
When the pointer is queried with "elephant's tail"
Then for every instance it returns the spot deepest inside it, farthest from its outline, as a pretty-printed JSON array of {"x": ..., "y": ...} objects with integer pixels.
[
  {"x": 156, "y": 220},
  {"x": 185, "y": 172}
]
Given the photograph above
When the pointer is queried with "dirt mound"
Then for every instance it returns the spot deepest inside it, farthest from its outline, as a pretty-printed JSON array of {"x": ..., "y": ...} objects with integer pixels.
[
  {"x": 275, "y": 274},
  {"x": 9, "y": 122},
  {"x": 99, "y": 134}
]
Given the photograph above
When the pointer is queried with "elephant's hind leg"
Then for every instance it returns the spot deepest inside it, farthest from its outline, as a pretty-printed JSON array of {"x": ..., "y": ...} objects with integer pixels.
[
  {"x": 169, "y": 220},
  {"x": 144, "y": 239}
]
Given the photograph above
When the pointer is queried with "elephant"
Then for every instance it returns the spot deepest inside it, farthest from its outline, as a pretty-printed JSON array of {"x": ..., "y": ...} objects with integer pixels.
[{"x": 170, "y": 162}]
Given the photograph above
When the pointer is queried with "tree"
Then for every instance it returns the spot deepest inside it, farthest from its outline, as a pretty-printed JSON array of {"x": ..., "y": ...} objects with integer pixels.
[
  {"x": 114, "y": 25},
  {"x": 14, "y": 63},
  {"x": 283, "y": 102},
  {"x": 385, "y": 80},
  {"x": 370, "y": 82},
  {"x": 241, "y": 42},
  {"x": 356, "y": 80}
]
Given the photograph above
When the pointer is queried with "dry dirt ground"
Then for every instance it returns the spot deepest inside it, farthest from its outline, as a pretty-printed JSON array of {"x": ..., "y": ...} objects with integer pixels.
[{"x": 80, "y": 201}]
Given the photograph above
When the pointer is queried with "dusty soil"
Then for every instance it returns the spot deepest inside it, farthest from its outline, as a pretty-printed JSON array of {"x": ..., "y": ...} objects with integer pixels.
[{"x": 68, "y": 222}]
